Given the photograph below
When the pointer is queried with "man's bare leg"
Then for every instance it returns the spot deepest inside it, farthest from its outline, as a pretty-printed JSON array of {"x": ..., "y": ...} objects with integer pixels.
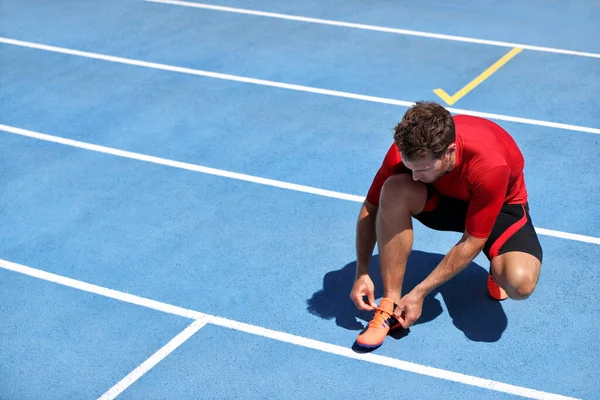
[
  {"x": 401, "y": 198},
  {"x": 517, "y": 273}
]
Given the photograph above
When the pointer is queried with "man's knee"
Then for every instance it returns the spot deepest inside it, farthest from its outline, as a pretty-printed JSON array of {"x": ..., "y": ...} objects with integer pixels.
[
  {"x": 523, "y": 282},
  {"x": 401, "y": 193},
  {"x": 519, "y": 276}
]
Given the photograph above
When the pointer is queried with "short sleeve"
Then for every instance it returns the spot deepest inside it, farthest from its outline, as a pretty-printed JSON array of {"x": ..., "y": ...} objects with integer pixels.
[{"x": 487, "y": 198}]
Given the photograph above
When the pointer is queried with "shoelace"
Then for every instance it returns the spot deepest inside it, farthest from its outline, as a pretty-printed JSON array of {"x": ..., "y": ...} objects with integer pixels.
[{"x": 380, "y": 317}]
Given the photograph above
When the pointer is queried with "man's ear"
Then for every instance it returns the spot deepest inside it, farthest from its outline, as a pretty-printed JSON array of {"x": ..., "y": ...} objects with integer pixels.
[{"x": 451, "y": 149}]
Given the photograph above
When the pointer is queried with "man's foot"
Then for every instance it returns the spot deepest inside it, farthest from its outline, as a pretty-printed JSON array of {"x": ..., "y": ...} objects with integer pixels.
[
  {"x": 374, "y": 334},
  {"x": 495, "y": 291}
]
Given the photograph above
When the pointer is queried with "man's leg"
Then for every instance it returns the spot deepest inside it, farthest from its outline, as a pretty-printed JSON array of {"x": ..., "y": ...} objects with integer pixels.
[
  {"x": 515, "y": 254},
  {"x": 517, "y": 273},
  {"x": 401, "y": 198}
]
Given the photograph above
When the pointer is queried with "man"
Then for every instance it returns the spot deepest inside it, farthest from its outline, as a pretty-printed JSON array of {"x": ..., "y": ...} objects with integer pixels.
[{"x": 462, "y": 174}]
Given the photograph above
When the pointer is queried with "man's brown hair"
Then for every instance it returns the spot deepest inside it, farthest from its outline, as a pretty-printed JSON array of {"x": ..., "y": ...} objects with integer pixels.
[{"x": 427, "y": 127}]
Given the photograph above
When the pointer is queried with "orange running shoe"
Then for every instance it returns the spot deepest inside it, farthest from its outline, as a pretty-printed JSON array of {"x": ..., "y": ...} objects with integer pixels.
[
  {"x": 376, "y": 331},
  {"x": 495, "y": 291}
]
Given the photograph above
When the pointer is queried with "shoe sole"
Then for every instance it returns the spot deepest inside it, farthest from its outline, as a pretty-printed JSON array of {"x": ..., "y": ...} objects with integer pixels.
[{"x": 368, "y": 346}]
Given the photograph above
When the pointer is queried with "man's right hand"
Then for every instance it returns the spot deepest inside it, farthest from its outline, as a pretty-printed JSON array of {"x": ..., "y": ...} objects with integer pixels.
[{"x": 363, "y": 286}]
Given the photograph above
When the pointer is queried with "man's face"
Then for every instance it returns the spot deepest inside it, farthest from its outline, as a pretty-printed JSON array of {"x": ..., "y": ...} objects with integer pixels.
[{"x": 428, "y": 169}]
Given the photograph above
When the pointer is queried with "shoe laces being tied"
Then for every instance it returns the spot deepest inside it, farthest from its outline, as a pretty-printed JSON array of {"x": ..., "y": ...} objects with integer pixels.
[{"x": 381, "y": 318}]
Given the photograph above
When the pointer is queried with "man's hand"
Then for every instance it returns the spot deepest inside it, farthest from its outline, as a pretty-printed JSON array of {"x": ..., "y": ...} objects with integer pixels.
[
  {"x": 363, "y": 286},
  {"x": 409, "y": 309}
]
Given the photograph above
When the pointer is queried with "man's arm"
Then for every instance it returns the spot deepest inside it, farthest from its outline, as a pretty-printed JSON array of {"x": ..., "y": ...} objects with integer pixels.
[
  {"x": 410, "y": 306},
  {"x": 365, "y": 237},
  {"x": 457, "y": 259},
  {"x": 489, "y": 190}
]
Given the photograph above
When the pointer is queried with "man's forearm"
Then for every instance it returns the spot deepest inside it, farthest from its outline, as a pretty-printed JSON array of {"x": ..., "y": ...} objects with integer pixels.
[
  {"x": 365, "y": 238},
  {"x": 457, "y": 259}
]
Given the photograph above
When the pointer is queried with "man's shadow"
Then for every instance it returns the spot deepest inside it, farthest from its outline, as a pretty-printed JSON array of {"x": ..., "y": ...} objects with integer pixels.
[{"x": 478, "y": 316}]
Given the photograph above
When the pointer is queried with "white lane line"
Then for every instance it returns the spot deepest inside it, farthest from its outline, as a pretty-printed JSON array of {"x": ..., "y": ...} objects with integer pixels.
[
  {"x": 285, "y": 337},
  {"x": 179, "y": 164},
  {"x": 102, "y": 291},
  {"x": 374, "y": 28},
  {"x": 568, "y": 236},
  {"x": 154, "y": 359},
  {"x": 288, "y": 86},
  {"x": 235, "y": 175},
  {"x": 383, "y": 360}
]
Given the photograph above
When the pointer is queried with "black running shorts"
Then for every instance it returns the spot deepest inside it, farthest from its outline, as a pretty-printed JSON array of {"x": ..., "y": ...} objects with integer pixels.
[{"x": 513, "y": 230}]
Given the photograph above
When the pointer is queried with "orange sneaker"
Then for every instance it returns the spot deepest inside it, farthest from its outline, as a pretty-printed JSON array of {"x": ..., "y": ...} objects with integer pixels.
[
  {"x": 384, "y": 320},
  {"x": 495, "y": 291}
]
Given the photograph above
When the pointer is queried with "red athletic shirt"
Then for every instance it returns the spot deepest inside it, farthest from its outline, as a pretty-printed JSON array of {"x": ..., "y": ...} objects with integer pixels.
[{"x": 488, "y": 173}]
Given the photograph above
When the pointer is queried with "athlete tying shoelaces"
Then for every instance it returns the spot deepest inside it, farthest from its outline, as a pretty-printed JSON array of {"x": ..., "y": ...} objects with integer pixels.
[{"x": 452, "y": 173}]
